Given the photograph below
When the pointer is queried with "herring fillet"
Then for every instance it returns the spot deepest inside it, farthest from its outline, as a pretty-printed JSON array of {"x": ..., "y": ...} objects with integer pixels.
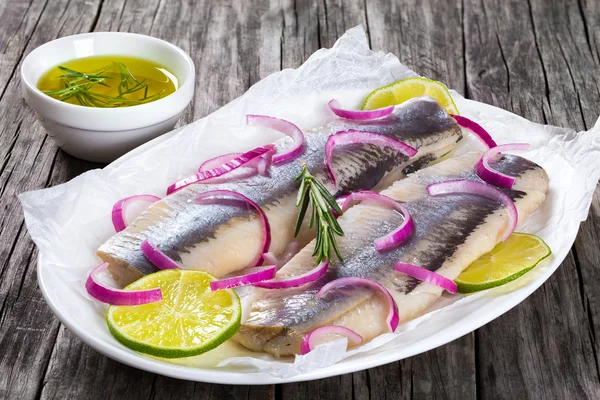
[
  {"x": 221, "y": 239},
  {"x": 450, "y": 233}
]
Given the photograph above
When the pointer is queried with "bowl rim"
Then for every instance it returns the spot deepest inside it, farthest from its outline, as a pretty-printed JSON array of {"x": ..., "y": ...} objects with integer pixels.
[{"x": 189, "y": 81}]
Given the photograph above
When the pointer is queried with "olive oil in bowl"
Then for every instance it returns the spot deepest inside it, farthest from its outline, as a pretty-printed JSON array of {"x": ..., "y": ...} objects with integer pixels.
[{"x": 108, "y": 81}]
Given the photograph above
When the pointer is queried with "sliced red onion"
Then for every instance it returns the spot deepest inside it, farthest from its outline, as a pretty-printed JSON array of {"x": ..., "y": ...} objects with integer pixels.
[
  {"x": 426, "y": 275},
  {"x": 266, "y": 228},
  {"x": 342, "y": 200},
  {"x": 290, "y": 251},
  {"x": 283, "y": 126},
  {"x": 263, "y": 163},
  {"x": 217, "y": 161},
  {"x": 344, "y": 203},
  {"x": 259, "y": 164},
  {"x": 295, "y": 281},
  {"x": 476, "y": 129},
  {"x": 118, "y": 297},
  {"x": 393, "y": 317},
  {"x": 492, "y": 176},
  {"x": 353, "y": 136},
  {"x": 229, "y": 166},
  {"x": 310, "y": 340},
  {"x": 271, "y": 259},
  {"x": 398, "y": 235},
  {"x": 480, "y": 189},
  {"x": 119, "y": 210},
  {"x": 359, "y": 114},
  {"x": 254, "y": 275},
  {"x": 157, "y": 257}
]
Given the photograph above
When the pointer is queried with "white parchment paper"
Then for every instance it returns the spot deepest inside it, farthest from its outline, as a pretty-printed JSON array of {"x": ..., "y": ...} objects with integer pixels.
[{"x": 70, "y": 221}]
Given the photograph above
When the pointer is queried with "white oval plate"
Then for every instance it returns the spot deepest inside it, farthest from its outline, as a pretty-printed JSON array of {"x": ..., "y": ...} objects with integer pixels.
[
  {"x": 86, "y": 321},
  {"x": 68, "y": 222}
]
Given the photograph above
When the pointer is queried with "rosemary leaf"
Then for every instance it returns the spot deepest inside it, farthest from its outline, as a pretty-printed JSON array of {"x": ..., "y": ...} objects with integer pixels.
[
  {"x": 305, "y": 200},
  {"x": 314, "y": 194},
  {"x": 301, "y": 192},
  {"x": 313, "y": 214},
  {"x": 329, "y": 198},
  {"x": 334, "y": 244},
  {"x": 78, "y": 85}
]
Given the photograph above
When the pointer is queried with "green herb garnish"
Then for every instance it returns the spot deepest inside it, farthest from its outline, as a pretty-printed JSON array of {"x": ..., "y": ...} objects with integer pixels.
[
  {"x": 314, "y": 194},
  {"x": 78, "y": 85}
]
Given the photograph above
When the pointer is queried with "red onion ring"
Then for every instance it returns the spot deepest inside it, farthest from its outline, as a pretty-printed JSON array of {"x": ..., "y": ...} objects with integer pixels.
[
  {"x": 479, "y": 189},
  {"x": 393, "y": 317},
  {"x": 217, "y": 161},
  {"x": 271, "y": 259},
  {"x": 492, "y": 176},
  {"x": 229, "y": 166},
  {"x": 157, "y": 257},
  {"x": 398, "y": 235},
  {"x": 426, "y": 275},
  {"x": 266, "y": 231},
  {"x": 309, "y": 342},
  {"x": 121, "y": 206},
  {"x": 118, "y": 297},
  {"x": 259, "y": 164},
  {"x": 476, "y": 129},
  {"x": 290, "y": 251},
  {"x": 295, "y": 281},
  {"x": 334, "y": 105},
  {"x": 254, "y": 275},
  {"x": 353, "y": 136},
  {"x": 283, "y": 126}
]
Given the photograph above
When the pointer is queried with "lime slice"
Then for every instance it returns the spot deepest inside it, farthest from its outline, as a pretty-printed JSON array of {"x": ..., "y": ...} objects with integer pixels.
[
  {"x": 189, "y": 320},
  {"x": 405, "y": 89},
  {"x": 506, "y": 262}
]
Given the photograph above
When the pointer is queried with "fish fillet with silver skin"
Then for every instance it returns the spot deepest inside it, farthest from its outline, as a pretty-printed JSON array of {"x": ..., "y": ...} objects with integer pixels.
[
  {"x": 451, "y": 232},
  {"x": 221, "y": 239}
]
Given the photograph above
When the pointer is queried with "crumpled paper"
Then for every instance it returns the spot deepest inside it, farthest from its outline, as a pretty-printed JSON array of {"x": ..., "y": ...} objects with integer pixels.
[{"x": 68, "y": 222}]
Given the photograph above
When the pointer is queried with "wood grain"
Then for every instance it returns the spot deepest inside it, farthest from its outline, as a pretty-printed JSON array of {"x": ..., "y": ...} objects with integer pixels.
[
  {"x": 537, "y": 58},
  {"x": 27, "y": 327},
  {"x": 532, "y": 58}
]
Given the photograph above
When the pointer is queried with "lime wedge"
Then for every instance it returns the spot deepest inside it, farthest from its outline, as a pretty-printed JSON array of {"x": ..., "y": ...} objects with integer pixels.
[
  {"x": 189, "y": 320},
  {"x": 506, "y": 262},
  {"x": 405, "y": 89}
]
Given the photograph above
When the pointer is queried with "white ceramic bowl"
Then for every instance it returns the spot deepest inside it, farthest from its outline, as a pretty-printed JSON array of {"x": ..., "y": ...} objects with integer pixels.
[{"x": 104, "y": 134}]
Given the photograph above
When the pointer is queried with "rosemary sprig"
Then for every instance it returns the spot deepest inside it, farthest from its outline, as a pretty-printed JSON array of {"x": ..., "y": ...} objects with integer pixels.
[
  {"x": 322, "y": 203},
  {"x": 78, "y": 85}
]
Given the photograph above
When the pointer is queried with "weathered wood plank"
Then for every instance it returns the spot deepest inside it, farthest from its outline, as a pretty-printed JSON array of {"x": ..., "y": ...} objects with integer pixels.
[
  {"x": 427, "y": 36},
  {"x": 90, "y": 376},
  {"x": 527, "y": 352},
  {"x": 586, "y": 247},
  {"x": 533, "y": 59},
  {"x": 503, "y": 64},
  {"x": 529, "y": 58},
  {"x": 19, "y": 19},
  {"x": 590, "y": 13},
  {"x": 337, "y": 387},
  {"x": 27, "y": 327}
]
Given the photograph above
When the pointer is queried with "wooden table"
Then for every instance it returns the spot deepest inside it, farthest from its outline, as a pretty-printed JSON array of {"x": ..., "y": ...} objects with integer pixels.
[{"x": 537, "y": 58}]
